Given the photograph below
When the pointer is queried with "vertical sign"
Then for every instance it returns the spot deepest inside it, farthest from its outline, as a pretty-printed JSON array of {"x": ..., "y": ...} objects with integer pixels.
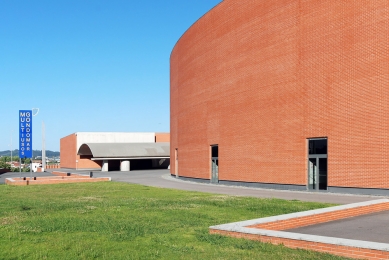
[{"x": 25, "y": 133}]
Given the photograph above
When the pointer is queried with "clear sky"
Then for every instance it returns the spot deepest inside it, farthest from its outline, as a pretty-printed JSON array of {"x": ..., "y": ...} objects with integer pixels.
[{"x": 89, "y": 65}]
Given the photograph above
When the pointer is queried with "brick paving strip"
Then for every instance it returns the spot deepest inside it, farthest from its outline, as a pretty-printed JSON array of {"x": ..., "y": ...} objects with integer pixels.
[
  {"x": 269, "y": 230},
  {"x": 62, "y": 177}
]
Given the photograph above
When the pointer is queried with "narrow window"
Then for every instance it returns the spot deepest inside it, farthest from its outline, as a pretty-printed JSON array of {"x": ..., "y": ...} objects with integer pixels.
[{"x": 214, "y": 163}]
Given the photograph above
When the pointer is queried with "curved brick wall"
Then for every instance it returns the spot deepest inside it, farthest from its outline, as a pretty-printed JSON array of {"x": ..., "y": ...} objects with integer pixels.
[{"x": 260, "y": 77}]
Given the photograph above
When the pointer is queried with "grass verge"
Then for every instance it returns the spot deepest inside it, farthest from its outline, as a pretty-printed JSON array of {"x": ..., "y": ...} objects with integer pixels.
[{"x": 110, "y": 220}]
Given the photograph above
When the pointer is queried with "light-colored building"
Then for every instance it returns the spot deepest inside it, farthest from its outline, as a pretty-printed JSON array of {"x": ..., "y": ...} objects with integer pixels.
[
  {"x": 115, "y": 151},
  {"x": 36, "y": 166}
]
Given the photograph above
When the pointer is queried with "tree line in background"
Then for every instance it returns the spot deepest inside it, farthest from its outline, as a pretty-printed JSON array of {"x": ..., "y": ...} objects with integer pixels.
[
  {"x": 5, "y": 165},
  {"x": 35, "y": 153}
]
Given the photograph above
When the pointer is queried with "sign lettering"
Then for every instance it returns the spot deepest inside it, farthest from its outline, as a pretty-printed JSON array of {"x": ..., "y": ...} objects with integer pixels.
[{"x": 25, "y": 132}]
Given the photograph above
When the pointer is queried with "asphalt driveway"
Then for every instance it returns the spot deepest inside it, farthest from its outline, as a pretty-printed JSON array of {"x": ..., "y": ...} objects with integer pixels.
[{"x": 163, "y": 179}]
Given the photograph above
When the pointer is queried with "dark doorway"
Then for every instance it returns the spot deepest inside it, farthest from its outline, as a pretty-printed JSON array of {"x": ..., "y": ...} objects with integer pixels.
[
  {"x": 113, "y": 165},
  {"x": 141, "y": 164},
  {"x": 317, "y": 164},
  {"x": 214, "y": 163}
]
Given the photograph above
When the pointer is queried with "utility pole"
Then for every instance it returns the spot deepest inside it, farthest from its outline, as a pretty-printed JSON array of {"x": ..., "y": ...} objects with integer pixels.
[
  {"x": 11, "y": 151},
  {"x": 43, "y": 147}
]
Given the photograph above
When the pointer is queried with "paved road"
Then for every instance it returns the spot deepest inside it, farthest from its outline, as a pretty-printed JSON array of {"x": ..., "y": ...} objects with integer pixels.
[{"x": 162, "y": 178}]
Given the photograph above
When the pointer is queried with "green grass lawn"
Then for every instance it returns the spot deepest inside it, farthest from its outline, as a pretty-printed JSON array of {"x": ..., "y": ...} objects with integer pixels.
[{"x": 110, "y": 220}]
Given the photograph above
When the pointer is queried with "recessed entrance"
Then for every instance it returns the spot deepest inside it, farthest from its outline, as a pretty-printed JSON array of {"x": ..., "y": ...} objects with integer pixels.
[
  {"x": 317, "y": 164},
  {"x": 214, "y": 163}
]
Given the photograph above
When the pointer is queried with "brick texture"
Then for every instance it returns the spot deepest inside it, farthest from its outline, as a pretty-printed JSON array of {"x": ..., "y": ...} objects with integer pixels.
[
  {"x": 353, "y": 251},
  {"x": 162, "y": 137},
  {"x": 322, "y": 218},
  {"x": 60, "y": 178},
  {"x": 68, "y": 153},
  {"x": 260, "y": 77},
  {"x": 358, "y": 253},
  {"x": 69, "y": 157}
]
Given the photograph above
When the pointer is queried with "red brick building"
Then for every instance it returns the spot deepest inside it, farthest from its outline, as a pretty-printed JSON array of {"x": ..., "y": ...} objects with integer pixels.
[{"x": 284, "y": 94}]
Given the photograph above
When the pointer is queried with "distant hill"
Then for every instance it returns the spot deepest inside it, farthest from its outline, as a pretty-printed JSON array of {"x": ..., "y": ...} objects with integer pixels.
[{"x": 34, "y": 153}]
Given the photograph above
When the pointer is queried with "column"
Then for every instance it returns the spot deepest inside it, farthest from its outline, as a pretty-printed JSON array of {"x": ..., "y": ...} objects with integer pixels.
[
  {"x": 125, "y": 166},
  {"x": 104, "y": 168}
]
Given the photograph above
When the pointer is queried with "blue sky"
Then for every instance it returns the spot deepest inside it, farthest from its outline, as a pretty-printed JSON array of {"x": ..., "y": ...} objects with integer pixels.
[{"x": 89, "y": 65}]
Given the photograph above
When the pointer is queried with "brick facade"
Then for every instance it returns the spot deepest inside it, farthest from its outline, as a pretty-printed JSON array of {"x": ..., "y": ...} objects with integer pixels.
[
  {"x": 259, "y": 78},
  {"x": 162, "y": 137},
  {"x": 68, "y": 151},
  {"x": 69, "y": 157}
]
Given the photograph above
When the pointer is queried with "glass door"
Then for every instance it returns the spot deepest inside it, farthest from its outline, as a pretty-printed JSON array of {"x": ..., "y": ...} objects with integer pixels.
[
  {"x": 215, "y": 170},
  {"x": 317, "y": 164},
  {"x": 322, "y": 173},
  {"x": 214, "y": 163},
  {"x": 312, "y": 169}
]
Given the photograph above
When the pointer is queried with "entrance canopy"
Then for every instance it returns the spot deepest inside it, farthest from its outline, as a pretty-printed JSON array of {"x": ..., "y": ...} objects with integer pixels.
[{"x": 104, "y": 151}]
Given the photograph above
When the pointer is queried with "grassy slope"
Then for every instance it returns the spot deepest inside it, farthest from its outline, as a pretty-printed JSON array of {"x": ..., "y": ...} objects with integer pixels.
[{"x": 124, "y": 221}]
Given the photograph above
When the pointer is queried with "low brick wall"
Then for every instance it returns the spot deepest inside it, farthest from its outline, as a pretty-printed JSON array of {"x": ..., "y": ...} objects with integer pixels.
[
  {"x": 40, "y": 181},
  {"x": 51, "y": 166},
  {"x": 61, "y": 177},
  {"x": 72, "y": 175},
  {"x": 347, "y": 251},
  {"x": 269, "y": 230},
  {"x": 322, "y": 218}
]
